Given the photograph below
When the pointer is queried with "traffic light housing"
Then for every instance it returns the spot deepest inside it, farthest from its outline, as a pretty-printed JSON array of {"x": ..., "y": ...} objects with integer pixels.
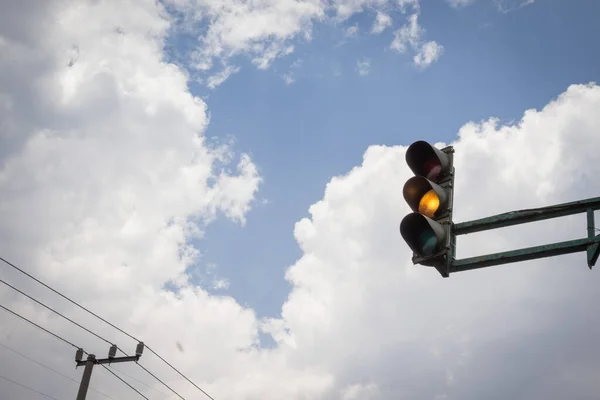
[{"x": 429, "y": 194}]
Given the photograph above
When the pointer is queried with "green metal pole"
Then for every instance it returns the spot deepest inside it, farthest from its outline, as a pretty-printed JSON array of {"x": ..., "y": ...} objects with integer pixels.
[
  {"x": 592, "y": 251},
  {"x": 525, "y": 216},
  {"x": 591, "y": 244},
  {"x": 529, "y": 253}
]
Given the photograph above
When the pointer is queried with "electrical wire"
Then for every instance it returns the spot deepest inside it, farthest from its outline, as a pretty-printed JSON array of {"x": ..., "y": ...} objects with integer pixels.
[
  {"x": 54, "y": 311},
  {"x": 87, "y": 330},
  {"x": 124, "y": 381},
  {"x": 52, "y": 369},
  {"x": 137, "y": 380},
  {"x": 106, "y": 322},
  {"x": 66, "y": 341},
  {"x": 182, "y": 375},
  {"x": 38, "y": 326},
  {"x": 28, "y": 388},
  {"x": 176, "y": 370},
  {"x": 155, "y": 377},
  {"x": 67, "y": 298}
]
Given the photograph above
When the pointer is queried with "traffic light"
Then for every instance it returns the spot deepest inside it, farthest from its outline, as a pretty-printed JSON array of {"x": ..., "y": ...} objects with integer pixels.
[{"x": 429, "y": 193}]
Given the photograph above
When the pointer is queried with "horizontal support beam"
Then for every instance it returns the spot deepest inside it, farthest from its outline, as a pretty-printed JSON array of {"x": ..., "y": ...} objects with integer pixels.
[
  {"x": 529, "y": 253},
  {"x": 525, "y": 216},
  {"x": 111, "y": 360}
]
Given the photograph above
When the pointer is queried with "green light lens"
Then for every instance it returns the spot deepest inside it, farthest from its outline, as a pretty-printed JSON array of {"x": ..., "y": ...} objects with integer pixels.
[{"x": 428, "y": 242}]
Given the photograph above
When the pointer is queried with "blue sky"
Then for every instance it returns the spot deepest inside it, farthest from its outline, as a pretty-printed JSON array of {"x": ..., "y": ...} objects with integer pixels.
[{"x": 494, "y": 64}]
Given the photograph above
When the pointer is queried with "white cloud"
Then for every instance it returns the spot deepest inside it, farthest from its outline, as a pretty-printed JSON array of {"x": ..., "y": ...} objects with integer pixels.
[
  {"x": 460, "y": 3},
  {"x": 288, "y": 78},
  {"x": 410, "y": 36},
  {"x": 381, "y": 22},
  {"x": 363, "y": 67},
  {"x": 262, "y": 30},
  {"x": 221, "y": 284},
  {"x": 428, "y": 54},
  {"x": 355, "y": 284},
  {"x": 354, "y": 287},
  {"x": 105, "y": 176},
  {"x": 351, "y": 31},
  {"x": 220, "y": 77},
  {"x": 361, "y": 392},
  {"x": 271, "y": 52},
  {"x": 506, "y": 6},
  {"x": 266, "y": 30}
]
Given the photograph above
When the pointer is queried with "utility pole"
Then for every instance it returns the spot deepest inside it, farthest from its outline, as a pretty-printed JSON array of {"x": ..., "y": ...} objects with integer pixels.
[
  {"x": 87, "y": 375},
  {"x": 92, "y": 360}
]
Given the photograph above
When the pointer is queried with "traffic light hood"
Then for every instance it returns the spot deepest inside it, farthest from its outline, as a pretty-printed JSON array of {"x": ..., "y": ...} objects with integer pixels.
[
  {"x": 425, "y": 197},
  {"x": 428, "y": 161},
  {"x": 423, "y": 235}
]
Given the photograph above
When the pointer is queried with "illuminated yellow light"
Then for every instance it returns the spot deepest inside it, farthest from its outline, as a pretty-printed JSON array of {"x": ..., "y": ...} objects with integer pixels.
[{"x": 429, "y": 203}]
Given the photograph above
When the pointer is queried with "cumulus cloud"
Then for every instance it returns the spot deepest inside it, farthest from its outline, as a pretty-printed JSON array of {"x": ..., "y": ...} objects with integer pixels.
[
  {"x": 410, "y": 36},
  {"x": 428, "y": 54},
  {"x": 407, "y": 35},
  {"x": 262, "y": 30},
  {"x": 382, "y": 21},
  {"x": 267, "y": 30},
  {"x": 105, "y": 173},
  {"x": 105, "y": 177},
  {"x": 358, "y": 284}
]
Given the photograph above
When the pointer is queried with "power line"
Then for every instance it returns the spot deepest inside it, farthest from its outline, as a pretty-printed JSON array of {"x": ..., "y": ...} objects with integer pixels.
[
  {"x": 137, "y": 380},
  {"x": 38, "y": 326},
  {"x": 84, "y": 328},
  {"x": 106, "y": 322},
  {"x": 66, "y": 341},
  {"x": 124, "y": 381},
  {"x": 54, "y": 311},
  {"x": 28, "y": 388},
  {"x": 52, "y": 369},
  {"x": 176, "y": 370},
  {"x": 67, "y": 298},
  {"x": 155, "y": 377}
]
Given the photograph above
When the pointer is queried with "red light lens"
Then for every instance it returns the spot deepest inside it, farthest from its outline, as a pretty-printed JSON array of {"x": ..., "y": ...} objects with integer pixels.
[{"x": 433, "y": 168}]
